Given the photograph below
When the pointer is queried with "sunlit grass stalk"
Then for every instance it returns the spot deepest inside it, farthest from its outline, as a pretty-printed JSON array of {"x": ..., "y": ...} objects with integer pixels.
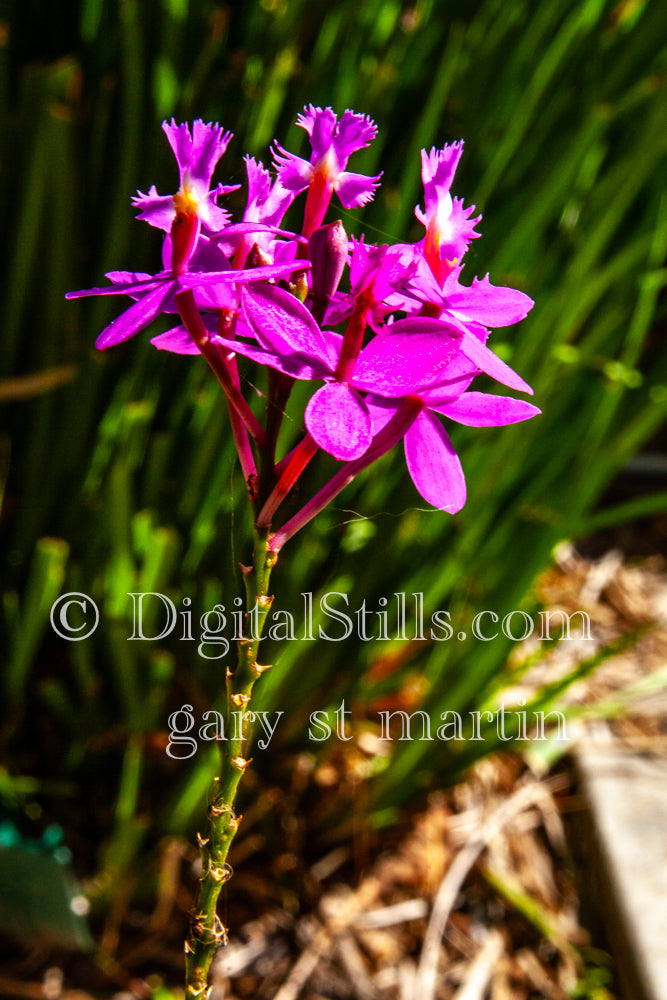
[{"x": 207, "y": 932}]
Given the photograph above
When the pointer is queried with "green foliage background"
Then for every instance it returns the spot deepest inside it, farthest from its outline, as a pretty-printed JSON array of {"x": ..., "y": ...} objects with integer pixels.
[{"x": 118, "y": 467}]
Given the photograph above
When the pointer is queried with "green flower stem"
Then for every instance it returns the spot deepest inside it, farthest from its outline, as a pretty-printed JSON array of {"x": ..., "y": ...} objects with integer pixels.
[{"x": 206, "y": 930}]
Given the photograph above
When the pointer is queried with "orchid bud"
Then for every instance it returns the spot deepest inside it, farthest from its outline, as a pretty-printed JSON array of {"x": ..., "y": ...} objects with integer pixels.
[{"x": 328, "y": 255}]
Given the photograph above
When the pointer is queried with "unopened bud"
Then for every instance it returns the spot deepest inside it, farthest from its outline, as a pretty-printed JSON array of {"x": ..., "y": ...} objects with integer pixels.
[{"x": 327, "y": 247}]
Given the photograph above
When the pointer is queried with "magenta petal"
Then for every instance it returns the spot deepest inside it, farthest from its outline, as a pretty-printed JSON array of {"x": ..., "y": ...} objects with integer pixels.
[
  {"x": 338, "y": 420},
  {"x": 320, "y": 124},
  {"x": 481, "y": 409},
  {"x": 417, "y": 353},
  {"x": 193, "y": 278},
  {"x": 290, "y": 364},
  {"x": 438, "y": 169},
  {"x": 259, "y": 183},
  {"x": 213, "y": 217},
  {"x": 381, "y": 411},
  {"x": 294, "y": 172},
  {"x": 354, "y": 131},
  {"x": 134, "y": 319},
  {"x": 180, "y": 141},
  {"x": 247, "y": 228},
  {"x": 461, "y": 230},
  {"x": 488, "y": 362},
  {"x": 129, "y": 277},
  {"x": 434, "y": 465},
  {"x": 155, "y": 209},
  {"x": 130, "y": 287},
  {"x": 491, "y": 305},
  {"x": 222, "y": 295},
  {"x": 283, "y": 324},
  {"x": 199, "y": 152},
  {"x": 176, "y": 341},
  {"x": 355, "y": 190},
  {"x": 209, "y": 142}
]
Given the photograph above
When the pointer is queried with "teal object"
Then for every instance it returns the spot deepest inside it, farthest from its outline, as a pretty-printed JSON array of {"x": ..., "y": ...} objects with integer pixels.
[{"x": 40, "y": 899}]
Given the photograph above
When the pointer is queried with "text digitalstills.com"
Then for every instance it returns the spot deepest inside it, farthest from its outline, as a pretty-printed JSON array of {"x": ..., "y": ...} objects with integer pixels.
[{"x": 154, "y": 616}]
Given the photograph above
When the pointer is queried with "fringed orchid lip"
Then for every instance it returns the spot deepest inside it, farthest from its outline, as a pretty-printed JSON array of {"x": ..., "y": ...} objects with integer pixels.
[
  {"x": 449, "y": 228},
  {"x": 197, "y": 153},
  {"x": 333, "y": 141}
]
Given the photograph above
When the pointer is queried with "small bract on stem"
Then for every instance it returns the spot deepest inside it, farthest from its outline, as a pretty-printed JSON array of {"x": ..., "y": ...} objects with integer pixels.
[{"x": 392, "y": 354}]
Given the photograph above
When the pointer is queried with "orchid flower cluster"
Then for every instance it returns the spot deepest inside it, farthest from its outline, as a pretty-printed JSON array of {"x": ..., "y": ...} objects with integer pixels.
[
  {"x": 393, "y": 353},
  {"x": 392, "y": 348}
]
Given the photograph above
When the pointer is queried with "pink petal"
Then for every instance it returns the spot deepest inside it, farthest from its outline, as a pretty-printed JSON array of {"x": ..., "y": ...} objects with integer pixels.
[
  {"x": 434, "y": 465},
  {"x": 155, "y": 209},
  {"x": 460, "y": 231},
  {"x": 217, "y": 296},
  {"x": 320, "y": 124},
  {"x": 415, "y": 354},
  {"x": 180, "y": 141},
  {"x": 491, "y": 305},
  {"x": 355, "y": 190},
  {"x": 176, "y": 341},
  {"x": 490, "y": 363},
  {"x": 354, "y": 131},
  {"x": 211, "y": 215},
  {"x": 381, "y": 411},
  {"x": 290, "y": 364},
  {"x": 481, "y": 409},
  {"x": 120, "y": 287},
  {"x": 338, "y": 420},
  {"x": 283, "y": 324},
  {"x": 134, "y": 319},
  {"x": 209, "y": 142},
  {"x": 193, "y": 278},
  {"x": 294, "y": 172},
  {"x": 438, "y": 169},
  {"x": 259, "y": 183},
  {"x": 248, "y": 228},
  {"x": 129, "y": 277}
]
